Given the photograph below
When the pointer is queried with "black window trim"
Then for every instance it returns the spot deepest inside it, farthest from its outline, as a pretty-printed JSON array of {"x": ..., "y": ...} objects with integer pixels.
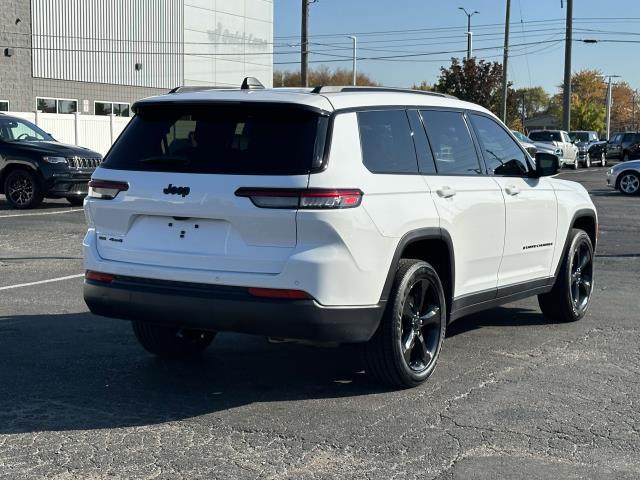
[{"x": 508, "y": 132}]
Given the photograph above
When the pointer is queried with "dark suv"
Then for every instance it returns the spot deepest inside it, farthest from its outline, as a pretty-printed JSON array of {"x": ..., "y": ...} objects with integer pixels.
[
  {"x": 624, "y": 146},
  {"x": 33, "y": 165},
  {"x": 590, "y": 149}
]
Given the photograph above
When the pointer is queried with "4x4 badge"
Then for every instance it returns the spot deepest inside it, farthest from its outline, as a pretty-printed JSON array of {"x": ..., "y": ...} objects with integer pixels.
[{"x": 173, "y": 190}]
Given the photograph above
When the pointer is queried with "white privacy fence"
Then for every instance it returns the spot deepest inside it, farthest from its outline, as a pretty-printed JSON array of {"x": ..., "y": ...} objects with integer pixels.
[{"x": 97, "y": 132}]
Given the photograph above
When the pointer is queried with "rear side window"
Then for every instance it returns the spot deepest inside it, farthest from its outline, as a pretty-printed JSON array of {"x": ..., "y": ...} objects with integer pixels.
[
  {"x": 387, "y": 143},
  {"x": 451, "y": 142},
  {"x": 221, "y": 139}
]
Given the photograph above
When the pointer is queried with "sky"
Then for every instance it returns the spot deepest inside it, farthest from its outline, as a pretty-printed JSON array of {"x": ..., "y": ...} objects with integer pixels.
[{"x": 435, "y": 30}]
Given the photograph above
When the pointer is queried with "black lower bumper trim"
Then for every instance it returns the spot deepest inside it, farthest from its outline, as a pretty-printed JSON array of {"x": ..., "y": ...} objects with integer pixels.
[{"x": 229, "y": 309}]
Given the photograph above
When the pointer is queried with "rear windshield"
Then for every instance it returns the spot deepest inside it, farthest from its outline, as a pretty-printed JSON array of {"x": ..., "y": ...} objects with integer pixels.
[
  {"x": 224, "y": 139},
  {"x": 545, "y": 136}
]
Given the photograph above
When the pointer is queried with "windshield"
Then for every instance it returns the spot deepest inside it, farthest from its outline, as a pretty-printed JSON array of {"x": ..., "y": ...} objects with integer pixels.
[
  {"x": 223, "y": 139},
  {"x": 521, "y": 136},
  {"x": 18, "y": 130},
  {"x": 580, "y": 136},
  {"x": 545, "y": 136}
]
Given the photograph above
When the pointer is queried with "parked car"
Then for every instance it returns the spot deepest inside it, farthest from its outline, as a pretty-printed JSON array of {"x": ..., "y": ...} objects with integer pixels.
[
  {"x": 535, "y": 147},
  {"x": 624, "y": 146},
  {"x": 33, "y": 165},
  {"x": 339, "y": 214},
  {"x": 590, "y": 149},
  {"x": 625, "y": 177},
  {"x": 558, "y": 139}
]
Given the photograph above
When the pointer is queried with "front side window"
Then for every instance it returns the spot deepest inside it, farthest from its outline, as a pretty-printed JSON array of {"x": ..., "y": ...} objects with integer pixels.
[
  {"x": 451, "y": 142},
  {"x": 4, "y": 106},
  {"x": 17, "y": 130},
  {"x": 501, "y": 153},
  {"x": 629, "y": 137},
  {"x": 387, "y": 143},
  {"x": 565, "y": 138}
]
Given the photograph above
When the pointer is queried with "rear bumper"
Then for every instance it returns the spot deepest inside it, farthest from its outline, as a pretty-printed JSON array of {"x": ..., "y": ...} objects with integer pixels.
[{"x": 221, "y": 308}]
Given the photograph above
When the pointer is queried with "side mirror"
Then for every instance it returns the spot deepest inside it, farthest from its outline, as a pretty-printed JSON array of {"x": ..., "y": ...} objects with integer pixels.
[{"x": 547, "y": 164}]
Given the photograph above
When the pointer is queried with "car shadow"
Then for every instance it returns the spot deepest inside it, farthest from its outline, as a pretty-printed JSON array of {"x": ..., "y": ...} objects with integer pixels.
[
  {"x": 47, "y": 204},
  {"x": 81, "y": 372},
  {"x": 498, "y": 317},
  {"x": 78, "y": 371}
]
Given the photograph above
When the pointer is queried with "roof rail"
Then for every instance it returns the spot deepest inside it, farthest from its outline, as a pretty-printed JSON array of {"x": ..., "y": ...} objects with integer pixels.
[
  {"x": 197, "y": 88},
  {"x": 352, "y": 89}
]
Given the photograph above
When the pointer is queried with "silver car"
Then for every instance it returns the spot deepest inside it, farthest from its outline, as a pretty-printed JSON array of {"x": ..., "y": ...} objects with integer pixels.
[
  {"x": 625, "y": 177},
  {"x": 533, "y": 147}
]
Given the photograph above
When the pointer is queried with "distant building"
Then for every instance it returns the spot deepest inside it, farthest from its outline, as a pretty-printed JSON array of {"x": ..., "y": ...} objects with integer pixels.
[
  {"x": 541, "y": 122},
  {"x": 98, "y": 57}
]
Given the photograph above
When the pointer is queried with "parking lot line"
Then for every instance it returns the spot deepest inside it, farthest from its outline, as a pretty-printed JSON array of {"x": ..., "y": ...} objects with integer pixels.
[
  {"x": 59, "y": 279},
  {"x": 41, "y": 213}
]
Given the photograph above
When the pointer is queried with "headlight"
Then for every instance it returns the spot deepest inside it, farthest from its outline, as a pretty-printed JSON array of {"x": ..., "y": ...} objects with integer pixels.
[{"x": 54, "y": 159}]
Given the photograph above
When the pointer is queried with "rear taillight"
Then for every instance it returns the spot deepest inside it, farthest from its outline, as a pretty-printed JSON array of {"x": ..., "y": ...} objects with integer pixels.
[
  {"x": 310, "y": 198},
  {"x": 279, "y": 293},
  {"x": 98, "y": 276},
  {"x": 106, "y": 189}
]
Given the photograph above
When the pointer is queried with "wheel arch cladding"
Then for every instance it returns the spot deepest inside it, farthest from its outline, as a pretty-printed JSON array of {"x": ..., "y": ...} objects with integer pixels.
[
  {"x": 586, "y": 220},
  {"x": 432, "y": 245}
]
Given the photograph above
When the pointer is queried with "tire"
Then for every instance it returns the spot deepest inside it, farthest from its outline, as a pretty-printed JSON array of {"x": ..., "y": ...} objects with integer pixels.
[
  {"x": 404, "y": 350},
  {"x": 23, "y": 190},
  {"x": 576, "y": 164},
  {"x": 171, "y": 342},
  {"x": 625, "y": 157},
  {"x": 569, "y": 299},
  {"x": 76, "y": 201},
  {"x": 587, "y": 161},
  {"x": 603, "y": 159},
  {"x": 629, "y": 183}
]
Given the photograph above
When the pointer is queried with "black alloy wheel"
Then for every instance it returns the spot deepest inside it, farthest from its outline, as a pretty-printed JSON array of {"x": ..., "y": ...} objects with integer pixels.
[
  {"x": 22, "y": 189},
  {"x": 404, "y": 350},
  {"x": 570, "y": 296},
  {"x": 420, "y": 325}
]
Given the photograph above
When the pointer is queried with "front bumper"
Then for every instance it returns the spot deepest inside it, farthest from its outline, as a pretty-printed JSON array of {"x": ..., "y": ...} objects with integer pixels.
[
  {"x": 612, "y": 179},
  {"x": 68, "y": 184},
  {"x": 223, "y": 308}
]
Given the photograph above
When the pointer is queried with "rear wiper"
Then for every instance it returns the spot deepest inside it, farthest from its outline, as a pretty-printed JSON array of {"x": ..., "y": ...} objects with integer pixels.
[{"x": 166, "y": 160}]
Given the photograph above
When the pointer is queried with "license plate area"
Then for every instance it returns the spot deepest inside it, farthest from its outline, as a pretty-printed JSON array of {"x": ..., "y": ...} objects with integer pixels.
[{"x": 178, "y": 235}]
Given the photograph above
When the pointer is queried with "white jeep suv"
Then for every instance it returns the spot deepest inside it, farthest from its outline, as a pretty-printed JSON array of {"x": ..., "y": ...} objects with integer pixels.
[{"x": 351, "y": 215}]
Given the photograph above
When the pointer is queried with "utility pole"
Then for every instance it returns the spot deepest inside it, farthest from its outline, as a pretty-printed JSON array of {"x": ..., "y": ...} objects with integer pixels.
[
  {"x": 505, "y": 60},
  {"x": 523, "y": 113},
  {"x": 566, "y": 99},
  {"x": 304, "y": 44},
  {"x": 355, "y": 58},
  {"x": 609, "y": 103},
  {"x": 469, "y": 34}
]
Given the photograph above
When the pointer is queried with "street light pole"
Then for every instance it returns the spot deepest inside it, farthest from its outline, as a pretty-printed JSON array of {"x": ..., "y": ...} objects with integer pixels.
[
  {"x": 355, "y": 58},
  {"x": 469, "y": 33}
]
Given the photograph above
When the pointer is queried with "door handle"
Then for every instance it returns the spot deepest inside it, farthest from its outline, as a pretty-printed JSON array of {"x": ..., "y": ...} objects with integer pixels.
[
  {"x": 512, "y": 190},
  {"x": 446, "y": 192}
]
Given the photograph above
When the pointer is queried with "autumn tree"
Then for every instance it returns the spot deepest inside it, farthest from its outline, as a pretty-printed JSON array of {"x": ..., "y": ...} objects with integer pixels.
[
  {"x": 624, "y": 107},
  {"x": 479, "y": 82},
  {"x": 588, "y": 93},
  {"x": 322, "y": 75},
  {"x": 533, "y": 100}
]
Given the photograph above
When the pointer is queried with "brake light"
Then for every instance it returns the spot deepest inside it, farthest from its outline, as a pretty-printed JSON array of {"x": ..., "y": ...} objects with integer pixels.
[
  {"x": 106, "y": 189},
  {"x": 310, "y": 198},
  {"x": 279, "y": 293},
  {"x": 99, "y": 276}
]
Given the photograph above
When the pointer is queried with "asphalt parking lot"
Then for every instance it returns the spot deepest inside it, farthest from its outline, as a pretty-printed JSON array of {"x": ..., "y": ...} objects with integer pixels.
[{"x": 514, "y": 396}]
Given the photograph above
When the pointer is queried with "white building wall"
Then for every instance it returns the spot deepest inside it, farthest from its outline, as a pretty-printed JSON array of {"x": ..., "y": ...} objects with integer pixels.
[
  {"x": 102, "y": 40},
  {"x": 227, "y": 40}
]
